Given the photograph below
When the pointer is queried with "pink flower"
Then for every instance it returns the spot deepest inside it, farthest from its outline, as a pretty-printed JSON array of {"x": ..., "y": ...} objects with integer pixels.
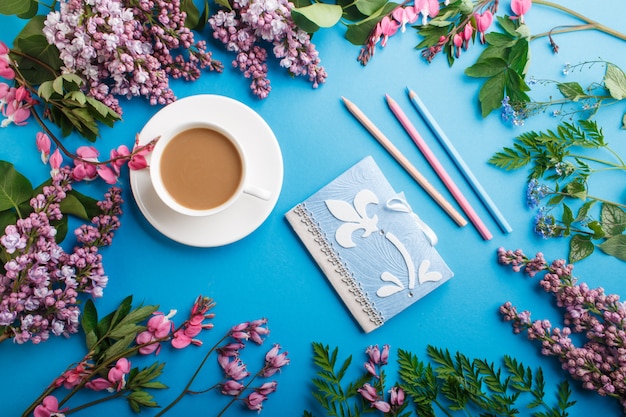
[
  {"x": 371, "y": 368},
  {"x": 158, "y": 327},
  {"x": 117, "y": 374},
  {"x": 234, "y": 368},
  {"x": 404, "y": 15},
  {"x": 483, "y": 21},
  {"x": 388, "y": 28},
  {"x": 72, "y": 377},
  {"x": 107, "y": 174},
  {"x": 56, "y": 159},
  {"x": 254, "y": 401},
  {"x": 274, "y": 361},
  {"x": 267, "y": 388},
  {"x": 83, "y": 169},
  {"x": 232, "y": 387},
  {"x": 427, "y": 8},
  {"x": 520, "y": 8},
  {"x": 383, "y": 406},
  {"x": 49, "y": 407},
  {"x": 468, "y": 31},
  {"x": 99, "y": 384},
  {"x": 5, "y": 68},
  {"x": 369, "y": 393},
  {"x": 384, "y": 355},
  {"x": 119, "y": 157},
  {"x": 458, "y": 43},
  {"x": 43, "y": 145},
  {"x": 138, "y": 158},
  {"x": 396, "y": 396}
]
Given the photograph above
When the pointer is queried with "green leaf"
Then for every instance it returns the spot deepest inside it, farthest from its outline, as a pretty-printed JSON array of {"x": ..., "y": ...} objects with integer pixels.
[
  {"x": 613, "y": 219},
  {"x": 499, "y": 39},
  {"x": 584, "y": 210},
  {"x": 119, "y": 348},
  {"x": 358, "y": 33},
  {"x": 492, "y": 93},
  {"x": 311, "y": 18},
  {"x": 486, "y": 68},
  {"x": 571, "y": 90},
  {"x": 193, "y": 14},
  {"x": 624, "y": 121},
  {"x": 15, "y": 188},
  {"x": 15, "y": 7},
  {"x": 31, "y": 12},
  {"x": 72, "y": 205},
  {"x": 224, "y": 3},
  {"x": 369, "y": 7},
  {"x": 89, "y": 322},
  {"x": 508, "y": 25},
  {"x": 615, "y": 246},
  {"x": 615, "y": 81},
  {"x": 567, "y": 219},
  {"x": 35, "y": 48},
  {"x": 580, "y": 247}
]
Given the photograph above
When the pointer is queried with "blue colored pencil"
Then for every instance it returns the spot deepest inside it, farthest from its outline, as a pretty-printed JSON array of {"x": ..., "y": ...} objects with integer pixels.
[{"x": 460, "y": 163}]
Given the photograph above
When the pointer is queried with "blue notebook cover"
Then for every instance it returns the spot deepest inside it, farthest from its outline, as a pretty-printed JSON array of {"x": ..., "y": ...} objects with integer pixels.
[{"x": 376, "y": 252}]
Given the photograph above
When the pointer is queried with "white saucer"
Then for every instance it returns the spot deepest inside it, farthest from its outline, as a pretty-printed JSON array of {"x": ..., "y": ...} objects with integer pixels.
[{"x": 265, "y": 165}]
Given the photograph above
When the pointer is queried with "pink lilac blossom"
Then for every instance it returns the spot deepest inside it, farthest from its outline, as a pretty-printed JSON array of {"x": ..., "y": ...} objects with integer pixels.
[
  {"x": 127, "y": 49},
  {"x": 600, "y": 363},
  {"x": 41, "y": 282},
  {"x": 249, "y": 24}
]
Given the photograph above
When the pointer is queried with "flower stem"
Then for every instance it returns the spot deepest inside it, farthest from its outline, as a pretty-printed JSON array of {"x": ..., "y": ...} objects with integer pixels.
[
  {"x": 185, "y": 390},
  {"x": 590, "y": 24},
  {"x": 95, "y": 402}
]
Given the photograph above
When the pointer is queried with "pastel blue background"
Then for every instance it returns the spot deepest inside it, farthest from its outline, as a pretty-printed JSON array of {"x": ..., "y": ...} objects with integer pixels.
[{"x": 269, "y": 274}]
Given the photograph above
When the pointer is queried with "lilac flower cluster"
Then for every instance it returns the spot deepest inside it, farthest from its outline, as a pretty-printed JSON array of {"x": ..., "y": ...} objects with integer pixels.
[
  {"x": 250, "y": 22},
  {"x": 40, "y": 282},
  {"x": 126, "y": 48},
  {"x": 600, "y": 363}
]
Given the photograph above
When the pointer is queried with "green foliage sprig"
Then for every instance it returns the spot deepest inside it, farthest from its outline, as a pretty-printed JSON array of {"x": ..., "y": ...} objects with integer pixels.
[
  {"x": 574, "y": 100},
  {"x": 504, "y": 63},
  {"x": 564, "y": 159},
  {"x": 452, "y": 383}
]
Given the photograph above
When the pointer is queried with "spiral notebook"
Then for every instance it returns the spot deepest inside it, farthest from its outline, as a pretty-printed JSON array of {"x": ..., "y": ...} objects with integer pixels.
[{"x": 379, "y": 256}]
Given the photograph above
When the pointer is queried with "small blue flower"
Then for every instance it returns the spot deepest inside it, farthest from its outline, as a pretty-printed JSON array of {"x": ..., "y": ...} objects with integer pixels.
[
  {"x": 545, "y": 224},
  {"x": 535, "y": 192}
]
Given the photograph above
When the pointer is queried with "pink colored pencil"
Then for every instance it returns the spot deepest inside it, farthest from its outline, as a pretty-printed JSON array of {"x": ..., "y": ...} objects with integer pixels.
[{"x": 439, "y": 169}]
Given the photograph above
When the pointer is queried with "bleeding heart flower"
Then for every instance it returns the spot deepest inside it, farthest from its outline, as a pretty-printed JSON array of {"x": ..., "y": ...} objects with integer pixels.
[
  {"x": 483, "y": 21},
  {"x": 520, "y": 8}
]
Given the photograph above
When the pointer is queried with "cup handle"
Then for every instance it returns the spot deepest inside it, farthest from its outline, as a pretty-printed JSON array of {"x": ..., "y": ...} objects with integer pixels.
[{"x": 257, "y": 192}]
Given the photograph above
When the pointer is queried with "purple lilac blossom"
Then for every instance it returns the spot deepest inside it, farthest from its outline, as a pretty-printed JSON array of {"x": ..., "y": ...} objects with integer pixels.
[
  {"x": 126, "y": 51},
  {"x": 251, "y": 22},
  {"x": 600, "y": 363},
  {"x": 41, "y": 282}
]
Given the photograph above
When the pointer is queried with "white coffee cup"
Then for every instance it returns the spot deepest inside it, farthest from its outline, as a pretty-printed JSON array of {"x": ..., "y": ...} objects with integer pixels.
[{"x": 200, "y": 169}]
